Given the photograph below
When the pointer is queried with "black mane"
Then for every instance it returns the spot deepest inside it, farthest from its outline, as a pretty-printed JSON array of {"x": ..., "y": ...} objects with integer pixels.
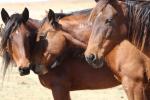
[
  {"x": 62, "y": 15},
  {"x": 139, "y": 23},
  {"x": 85, "y": 11},
  {"x": 11, "y": 25}
]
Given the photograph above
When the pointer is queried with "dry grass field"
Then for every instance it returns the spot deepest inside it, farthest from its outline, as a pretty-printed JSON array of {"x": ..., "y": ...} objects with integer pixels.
[
  {"x": 28, "y": 87},
  {"x": 16, "y": 87}
]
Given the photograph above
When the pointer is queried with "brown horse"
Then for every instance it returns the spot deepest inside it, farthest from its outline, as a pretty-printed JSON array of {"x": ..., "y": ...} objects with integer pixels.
[
  {"x": 18, "y": 40},
  {"x": 107, "y": 42},
  {"x": 72, "y": 74},
  {"x": 126, "y": 20},
  {"x": 65, "y": 77}
]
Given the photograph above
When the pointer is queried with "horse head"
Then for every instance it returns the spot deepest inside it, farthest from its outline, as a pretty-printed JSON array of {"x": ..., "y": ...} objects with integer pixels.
[
  {"x": 108, "y": 30},
  {"x": 51, "y": 41},
  {"x": 18, "y": 40}
]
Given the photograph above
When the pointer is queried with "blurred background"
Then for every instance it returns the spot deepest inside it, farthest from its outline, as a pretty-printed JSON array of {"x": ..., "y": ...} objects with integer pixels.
[{"x": 37, "y": 8}]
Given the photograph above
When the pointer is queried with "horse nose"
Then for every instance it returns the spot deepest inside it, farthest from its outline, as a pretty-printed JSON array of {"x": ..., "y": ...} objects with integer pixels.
[
  {"x": 24, "y": 71},
  {"x": 91, "y": 58}
]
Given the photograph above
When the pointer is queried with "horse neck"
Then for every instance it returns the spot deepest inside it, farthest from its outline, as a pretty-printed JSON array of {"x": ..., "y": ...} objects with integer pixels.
[
  {"x": 120, "y": 55},
  {"x": 75, "y": 27}
]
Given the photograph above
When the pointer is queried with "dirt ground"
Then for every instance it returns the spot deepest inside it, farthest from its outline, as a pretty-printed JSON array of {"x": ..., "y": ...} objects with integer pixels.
[{"x": 16, "y": 87}]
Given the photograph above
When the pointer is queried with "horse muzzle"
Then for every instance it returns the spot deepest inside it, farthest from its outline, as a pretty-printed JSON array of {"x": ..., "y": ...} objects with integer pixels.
[
  {"x": 91, "y": 58},
  {"x": 24, "y": 71},
  {"x": 99, "y": 63},
  {"x": 96, "y": 63}
]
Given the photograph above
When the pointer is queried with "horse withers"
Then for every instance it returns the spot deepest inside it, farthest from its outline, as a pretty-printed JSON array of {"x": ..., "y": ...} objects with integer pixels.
[{"x": 18, "y": 40}]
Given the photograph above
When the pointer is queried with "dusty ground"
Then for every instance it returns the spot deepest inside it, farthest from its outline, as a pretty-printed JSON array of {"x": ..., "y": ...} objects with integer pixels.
[{"x": 28, "y": 88}]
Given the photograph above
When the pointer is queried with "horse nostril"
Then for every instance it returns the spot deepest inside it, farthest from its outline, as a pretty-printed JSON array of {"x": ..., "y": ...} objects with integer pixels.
[{"x": 91, "y": 58}]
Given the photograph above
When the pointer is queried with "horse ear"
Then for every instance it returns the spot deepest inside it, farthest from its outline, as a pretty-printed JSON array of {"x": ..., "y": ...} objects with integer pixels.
[
  {"x": 4, "y": 15},
  {"x": 25, "y": 15},
  {"x": 51, "y": 15}
]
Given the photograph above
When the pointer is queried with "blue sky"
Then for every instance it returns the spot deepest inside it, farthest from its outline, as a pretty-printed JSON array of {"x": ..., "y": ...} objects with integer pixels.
[{"x": 15, "y": 1}]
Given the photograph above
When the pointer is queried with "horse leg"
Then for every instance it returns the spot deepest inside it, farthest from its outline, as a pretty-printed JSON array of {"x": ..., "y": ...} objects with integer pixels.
[
  {"x": 139, "y": 91},
  {"x": 128, "y": 87},
  {"x": 134, "y": 89},
  {"x": 60, "y": 93}
]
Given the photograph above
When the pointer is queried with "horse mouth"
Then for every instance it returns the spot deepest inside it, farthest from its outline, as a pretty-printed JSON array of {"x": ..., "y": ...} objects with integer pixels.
[
  {"x": 98, "y": 63},
  {"x": 39, "y": 69}
]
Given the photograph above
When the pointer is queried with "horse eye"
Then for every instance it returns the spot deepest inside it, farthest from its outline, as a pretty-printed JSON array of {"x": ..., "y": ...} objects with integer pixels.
[{"x": 108, "y": 21}]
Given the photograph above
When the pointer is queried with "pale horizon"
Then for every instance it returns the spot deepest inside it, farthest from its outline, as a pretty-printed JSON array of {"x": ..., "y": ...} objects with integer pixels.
[{"x": 20, "y": 1}]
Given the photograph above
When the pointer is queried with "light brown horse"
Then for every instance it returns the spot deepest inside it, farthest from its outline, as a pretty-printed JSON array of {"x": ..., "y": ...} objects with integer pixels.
[
  {"x": 72, "y": 74},
  {"x": 107, "y": 42}
]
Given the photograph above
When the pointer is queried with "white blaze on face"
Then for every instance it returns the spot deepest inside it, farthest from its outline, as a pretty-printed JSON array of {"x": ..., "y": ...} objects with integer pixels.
[{"x": 17, "y": 32}]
